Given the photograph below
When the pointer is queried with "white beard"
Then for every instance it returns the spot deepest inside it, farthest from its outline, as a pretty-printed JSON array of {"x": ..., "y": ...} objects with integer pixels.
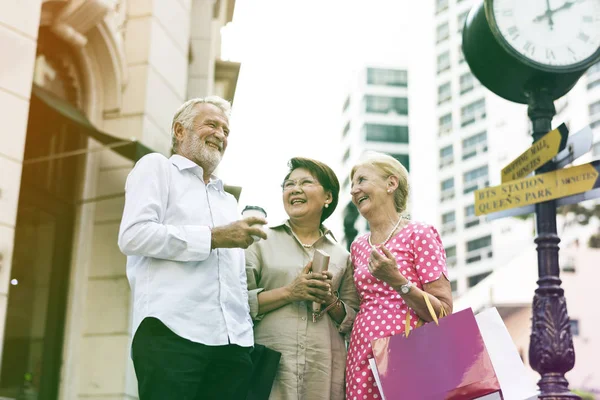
[{"x": 203, "y": 155}]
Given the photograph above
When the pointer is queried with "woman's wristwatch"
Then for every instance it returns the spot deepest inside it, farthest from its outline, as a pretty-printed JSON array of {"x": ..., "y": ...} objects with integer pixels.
[{"x": 405, "y": 289}]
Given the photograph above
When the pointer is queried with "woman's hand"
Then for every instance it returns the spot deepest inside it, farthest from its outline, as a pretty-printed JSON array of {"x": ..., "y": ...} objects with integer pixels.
[
  {"x": 310, "y": 286},
  {"x": 384, "y": 267}
]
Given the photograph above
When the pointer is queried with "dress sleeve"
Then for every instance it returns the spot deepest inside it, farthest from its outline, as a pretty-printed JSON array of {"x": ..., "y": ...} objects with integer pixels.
[
  {"x": 430, "y": 256},
  {"x": 253, "y": 275},
  {"x": 349, "y": 298}
]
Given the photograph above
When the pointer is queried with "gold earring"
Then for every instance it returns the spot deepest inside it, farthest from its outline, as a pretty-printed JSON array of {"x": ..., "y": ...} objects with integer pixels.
[{"x": 389, "y": 190}]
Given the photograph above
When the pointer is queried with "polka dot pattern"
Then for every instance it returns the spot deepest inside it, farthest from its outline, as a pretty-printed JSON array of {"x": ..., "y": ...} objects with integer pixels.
[{"x": 421, "y": 258}]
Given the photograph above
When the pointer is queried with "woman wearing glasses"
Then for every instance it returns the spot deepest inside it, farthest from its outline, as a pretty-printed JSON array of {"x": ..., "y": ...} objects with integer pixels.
[{"x": 282, "y": 288}]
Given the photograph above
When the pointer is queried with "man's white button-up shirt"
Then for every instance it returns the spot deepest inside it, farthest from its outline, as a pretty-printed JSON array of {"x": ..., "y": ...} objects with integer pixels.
[{"x": 200, "y": 294}]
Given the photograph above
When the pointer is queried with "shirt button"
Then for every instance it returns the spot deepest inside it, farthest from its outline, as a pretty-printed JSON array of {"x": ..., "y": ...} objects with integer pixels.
[
  {"x": 303, "y": 318},
  {"x": 301, "y": 346},
  {"x": 300, "y": 377}
]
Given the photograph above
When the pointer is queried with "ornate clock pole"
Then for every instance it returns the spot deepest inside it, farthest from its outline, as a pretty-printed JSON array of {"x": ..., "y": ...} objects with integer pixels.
[{"x": 530, "y": 53}]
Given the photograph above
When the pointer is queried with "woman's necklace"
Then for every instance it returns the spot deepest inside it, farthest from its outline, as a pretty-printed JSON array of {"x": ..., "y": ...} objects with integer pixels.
[
  {"x": 388, "y": 236},
  {"x": 309, "y": 246}
]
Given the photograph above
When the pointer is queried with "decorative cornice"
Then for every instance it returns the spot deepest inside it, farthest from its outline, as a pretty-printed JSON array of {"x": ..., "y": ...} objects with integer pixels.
[{"x": 79, "y": 16}]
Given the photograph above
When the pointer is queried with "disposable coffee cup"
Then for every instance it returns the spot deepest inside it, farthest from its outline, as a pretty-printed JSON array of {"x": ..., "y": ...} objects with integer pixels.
[{"x": 254, "y": 211}]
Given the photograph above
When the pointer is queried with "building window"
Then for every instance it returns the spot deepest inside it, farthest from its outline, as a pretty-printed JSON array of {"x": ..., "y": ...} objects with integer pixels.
[
  {"x": 387, "y": 77},
  {"x": 467, "y": 82},
  {"x": 346, "y": 155},
  {"x": 479, "y": 249},
  {"x": 447, "y": 189},
  {"x": 594, "y": 109},
  {"x": 443, "y": 62},
  {"x": 461, "y": 55},
  {"x": 346, "y": 104},
  {"x": 403, "y": 158},
  {"x": 346, "y": 129},
  {"x": 444, "y": 93},
  {"x": 568, "y": 264},
  {"x": 446, "y": 156},
  {"x": 448, "y": 223},
  {"x": 470, "y": 218},
  {"x": 574, "y": 327},
  {"x": 346, "y": 183},
  {"x": 472, "y": 112},
  {"x": 460, "y": 21},
  {"x": 445, "y": 124},
  {"x": 475, "y": 179},
  {"x": 593, "y": 76},
  {"x": 593, "y": 83},
  {"x": 453, "y": 286},
  {"x": 386, "y": 133},
  {"x": 441, "y": 5},
  {"x": 442, "y": 32},
  {"x": 474, "y": 145},
  {"x": 451, "y": 256},
  {"x": 475, "y": 279},
  {"x": 596, "y": 149},
  {"x": 386, "y": 104}
]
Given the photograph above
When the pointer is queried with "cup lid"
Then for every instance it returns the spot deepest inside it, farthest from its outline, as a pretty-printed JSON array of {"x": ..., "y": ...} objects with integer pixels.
[{"x": 257, "y": 208}]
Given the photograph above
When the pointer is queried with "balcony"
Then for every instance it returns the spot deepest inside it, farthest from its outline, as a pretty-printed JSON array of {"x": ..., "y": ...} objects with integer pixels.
[
  {"x": 451, "y": 261},
  {"x": 473, "y": 150},
  {"x": 448, "y": 228},
  {"x": 476, "y": 185},
  {"x": 479, "y": 255},
  {"x": 447, "y": 194},
  {"x": 446, "y": 161},
  {"x": 471, "y": 221},
  {"x": 471, "y": 119}
]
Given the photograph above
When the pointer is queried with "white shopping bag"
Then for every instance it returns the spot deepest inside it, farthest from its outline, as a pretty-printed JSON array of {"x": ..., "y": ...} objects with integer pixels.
[
  {"x": 512, "y": 375},
  {"x": 376, "y": 375}
]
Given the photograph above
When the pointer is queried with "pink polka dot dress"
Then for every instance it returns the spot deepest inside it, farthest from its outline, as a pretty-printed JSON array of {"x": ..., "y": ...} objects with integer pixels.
[{"x": 421, "y": 258}]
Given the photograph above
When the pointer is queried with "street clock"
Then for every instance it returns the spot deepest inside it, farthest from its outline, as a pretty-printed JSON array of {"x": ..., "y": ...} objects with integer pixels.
[{"x": 515, "y": 45}]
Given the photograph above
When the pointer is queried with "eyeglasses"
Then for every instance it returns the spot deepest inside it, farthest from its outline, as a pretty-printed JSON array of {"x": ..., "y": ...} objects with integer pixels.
[{"x": 303, "y": 183}]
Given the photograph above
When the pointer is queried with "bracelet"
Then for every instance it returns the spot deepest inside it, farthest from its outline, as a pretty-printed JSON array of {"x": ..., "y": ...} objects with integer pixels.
[{"x": 336, "y": 303}]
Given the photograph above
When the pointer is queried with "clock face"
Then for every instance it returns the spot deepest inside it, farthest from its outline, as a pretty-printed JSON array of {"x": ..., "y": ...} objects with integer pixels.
[{"x": 557, "y": 34}]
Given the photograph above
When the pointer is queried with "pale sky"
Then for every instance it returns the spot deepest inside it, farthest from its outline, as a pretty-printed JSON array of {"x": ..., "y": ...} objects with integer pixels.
[{"x": 298, "y": 59}]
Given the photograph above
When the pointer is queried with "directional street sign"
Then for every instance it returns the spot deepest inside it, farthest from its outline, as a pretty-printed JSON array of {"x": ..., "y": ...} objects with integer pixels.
[
  {"x": 538, "y": 188},
  {"x": 563, "y": 201},
  {"x": 577, "y": 145},
  {"x": 540, "y": 152}
]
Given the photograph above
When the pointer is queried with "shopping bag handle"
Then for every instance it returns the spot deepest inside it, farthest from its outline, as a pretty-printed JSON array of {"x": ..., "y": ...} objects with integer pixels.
[{"x": 420, "y": 321}]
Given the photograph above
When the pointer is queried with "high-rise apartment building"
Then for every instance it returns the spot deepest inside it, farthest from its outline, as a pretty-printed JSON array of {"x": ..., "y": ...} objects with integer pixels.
[
  {"x": 375, "y": 117},
  {"x": 477, "y": 134}
]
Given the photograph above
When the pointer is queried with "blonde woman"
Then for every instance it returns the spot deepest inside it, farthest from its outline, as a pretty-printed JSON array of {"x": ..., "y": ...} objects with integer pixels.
[{"x": 394, "y": 265}]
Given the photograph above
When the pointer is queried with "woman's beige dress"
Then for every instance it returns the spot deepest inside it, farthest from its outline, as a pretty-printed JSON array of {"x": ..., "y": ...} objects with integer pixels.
[{"x": 313, "y": 355}]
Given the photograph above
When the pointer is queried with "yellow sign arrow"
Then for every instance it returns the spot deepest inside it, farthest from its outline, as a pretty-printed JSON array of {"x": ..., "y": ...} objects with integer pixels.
[
  {"x": 537, "y": 155},
  {"x": 537, "y": 189}
]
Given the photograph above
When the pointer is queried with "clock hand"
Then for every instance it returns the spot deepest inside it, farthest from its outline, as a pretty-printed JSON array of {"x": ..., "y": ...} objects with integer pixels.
[{"x": 547, "y": 14}]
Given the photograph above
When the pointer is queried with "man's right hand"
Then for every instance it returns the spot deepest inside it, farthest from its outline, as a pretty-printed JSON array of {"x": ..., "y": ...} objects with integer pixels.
[{"x": 238, "y": 234}]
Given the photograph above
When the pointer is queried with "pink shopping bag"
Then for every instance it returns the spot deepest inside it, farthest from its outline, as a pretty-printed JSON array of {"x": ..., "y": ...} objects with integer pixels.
[{"x": 444, "y": 361}]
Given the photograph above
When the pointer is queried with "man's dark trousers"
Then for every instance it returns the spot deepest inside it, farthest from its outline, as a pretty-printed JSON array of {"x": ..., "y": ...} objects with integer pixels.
[{"x": 170, "y": 367}]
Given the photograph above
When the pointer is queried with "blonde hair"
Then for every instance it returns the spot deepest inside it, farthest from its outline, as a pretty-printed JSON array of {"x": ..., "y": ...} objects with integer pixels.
[
  {"x": 186, "y": 113},
  {"x": 387, "y": 166}
]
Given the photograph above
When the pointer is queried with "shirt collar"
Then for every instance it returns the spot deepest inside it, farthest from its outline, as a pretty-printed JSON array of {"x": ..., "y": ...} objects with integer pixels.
[
  {"x": 184, "y": 163},
  {"x": 286, "y": 223}
]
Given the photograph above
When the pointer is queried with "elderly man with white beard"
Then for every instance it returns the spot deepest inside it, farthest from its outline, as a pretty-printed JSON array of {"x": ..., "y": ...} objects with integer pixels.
[{"x": 184, "y": 241}]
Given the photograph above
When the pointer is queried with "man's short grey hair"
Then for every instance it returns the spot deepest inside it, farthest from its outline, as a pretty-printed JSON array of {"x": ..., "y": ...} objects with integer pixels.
[{"x": 187, "y": 112}]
